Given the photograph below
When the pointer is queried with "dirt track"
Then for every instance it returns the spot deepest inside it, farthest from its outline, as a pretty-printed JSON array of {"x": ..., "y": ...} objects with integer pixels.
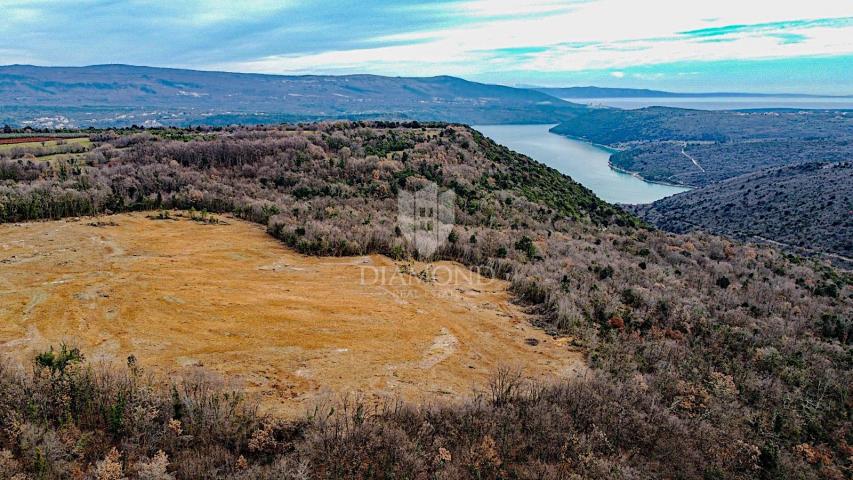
[{"x": 178, "y": 294}]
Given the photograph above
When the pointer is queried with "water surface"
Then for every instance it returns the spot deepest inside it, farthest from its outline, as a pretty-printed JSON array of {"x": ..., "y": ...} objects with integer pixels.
[
  {"x": 720, "y": 103},
  {"x": 584, "y": 162}
]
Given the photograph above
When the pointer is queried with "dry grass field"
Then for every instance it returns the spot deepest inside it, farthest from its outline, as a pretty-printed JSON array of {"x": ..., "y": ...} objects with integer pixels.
[
  {"x": 180, "y": 294},
  {"x": 9, "y": 144}
]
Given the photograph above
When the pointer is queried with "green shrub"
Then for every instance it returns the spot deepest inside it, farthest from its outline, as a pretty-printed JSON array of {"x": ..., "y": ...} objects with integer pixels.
[{"x": 57, "y": 362}]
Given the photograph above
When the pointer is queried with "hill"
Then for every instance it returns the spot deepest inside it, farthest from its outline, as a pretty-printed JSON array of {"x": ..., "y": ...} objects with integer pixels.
[
  {"x": 805, "y": 209},
  {"x": 698, "y": 164},
  {"x": 613, "y": 126},
  {"x": 735, "y": 357},
  {"x": 117, "y": 95},
  {"x": 696, "y": 147}
]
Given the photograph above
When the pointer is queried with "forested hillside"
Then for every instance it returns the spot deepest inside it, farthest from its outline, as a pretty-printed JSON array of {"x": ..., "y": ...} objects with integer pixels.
[
  {"x": 806, "y": 208},
  {"x": 124, "y": 95},
  {"x": 612, "y": 126},
  {"x": 709, "y": 358},
  {"x": 696, "y": 148},
  {"x": 699, "y": 164}
]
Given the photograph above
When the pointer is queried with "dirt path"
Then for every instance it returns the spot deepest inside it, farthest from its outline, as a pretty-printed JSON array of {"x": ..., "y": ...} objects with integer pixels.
[
  {"x": 779, "y": 244},
  {"x": 691, "y": 158},
  {"x": 297, "y": 330}
]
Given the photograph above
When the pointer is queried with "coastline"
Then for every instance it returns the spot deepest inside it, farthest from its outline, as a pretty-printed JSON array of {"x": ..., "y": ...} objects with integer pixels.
[
  {"x": 640, "y": 177},
  {"x": 606, "y": 148},
  {"x": 585, "y": 162},
  {"x": 611, "y": 151}
]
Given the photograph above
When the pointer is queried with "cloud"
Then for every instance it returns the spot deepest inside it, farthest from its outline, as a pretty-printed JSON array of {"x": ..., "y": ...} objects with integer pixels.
[
  {"x": 819, "y": 75},
  {"x": 649, "y": 76},
  {"x": 475, "y": 38},
  {"x": 788, "y": 38},
  {"x": 617, "y": 74},
  {"x": 552, "y": 36},
  {"x": 770, "y": 27}
]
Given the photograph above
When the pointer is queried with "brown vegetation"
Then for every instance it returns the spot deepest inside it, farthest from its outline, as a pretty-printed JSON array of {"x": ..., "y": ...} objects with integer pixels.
[
  {"x": 805, "y": 209},
  {"x": 710, "y": 359}
]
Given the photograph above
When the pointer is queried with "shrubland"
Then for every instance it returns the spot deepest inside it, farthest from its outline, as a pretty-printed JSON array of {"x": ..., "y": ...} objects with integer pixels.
[
  {"x": 803, "y": 208},
  {"x": 709, "y": 358}
]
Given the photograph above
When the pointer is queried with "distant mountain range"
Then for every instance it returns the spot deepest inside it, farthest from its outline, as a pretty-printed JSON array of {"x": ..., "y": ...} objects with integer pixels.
[
  {"x": 123, "y": 95},
  {"x": 601, "y": 92},
  {"x": 111, "y": 95}
]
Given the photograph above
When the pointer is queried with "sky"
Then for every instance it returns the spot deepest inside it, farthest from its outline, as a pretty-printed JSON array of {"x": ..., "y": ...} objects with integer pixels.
[{"x": 684, "y": 45}]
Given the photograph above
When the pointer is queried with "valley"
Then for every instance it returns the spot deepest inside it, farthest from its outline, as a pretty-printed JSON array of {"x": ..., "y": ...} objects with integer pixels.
[
  {"x": 650, "y": 141},
  {"x": 753, "y": 173}
]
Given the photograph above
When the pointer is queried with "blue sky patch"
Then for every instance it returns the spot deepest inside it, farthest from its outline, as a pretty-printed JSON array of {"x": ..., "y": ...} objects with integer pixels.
[{"x": 554, "y": 42}]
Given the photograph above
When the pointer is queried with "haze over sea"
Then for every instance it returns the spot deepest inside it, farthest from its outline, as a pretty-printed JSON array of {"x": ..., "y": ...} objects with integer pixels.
[{"x": 721, "y": 103}]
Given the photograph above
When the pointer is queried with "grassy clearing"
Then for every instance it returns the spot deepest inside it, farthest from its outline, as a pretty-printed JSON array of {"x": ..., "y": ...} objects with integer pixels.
[
  {"x": 57, "y": 159},
  {"x": 220, "y": 292},
  {"x": 43, "y": 149},
  {"x": 81, "y": 141}
]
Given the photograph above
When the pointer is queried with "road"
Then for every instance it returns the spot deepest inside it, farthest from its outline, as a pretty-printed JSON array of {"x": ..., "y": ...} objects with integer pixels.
[{"x": 691, "y": 158}]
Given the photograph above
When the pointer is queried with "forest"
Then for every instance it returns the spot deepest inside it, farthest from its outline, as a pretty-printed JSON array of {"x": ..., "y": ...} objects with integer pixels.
[
  {"x": 709, "y": 358},
  {"x": 803, "y": 208},
  {"x": 611, "y": 126},
  {"x": 670, "y": 162},
  {"x": 661, "y": 144}
]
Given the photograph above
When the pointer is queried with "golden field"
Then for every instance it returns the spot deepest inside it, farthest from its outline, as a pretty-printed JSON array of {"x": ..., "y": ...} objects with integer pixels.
[{"x": 180, "y": 295}]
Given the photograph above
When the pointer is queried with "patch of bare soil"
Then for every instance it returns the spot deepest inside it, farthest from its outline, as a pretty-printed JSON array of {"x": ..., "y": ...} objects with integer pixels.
[{"x": 180, "y": 294}]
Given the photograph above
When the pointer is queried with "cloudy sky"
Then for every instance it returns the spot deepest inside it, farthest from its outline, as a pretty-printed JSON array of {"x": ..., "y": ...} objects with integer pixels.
[{"x": 684, "y": 45}]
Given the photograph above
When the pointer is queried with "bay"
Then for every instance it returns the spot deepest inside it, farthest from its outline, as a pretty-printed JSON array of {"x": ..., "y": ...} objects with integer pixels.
[{"x": 584, "y": 162}]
